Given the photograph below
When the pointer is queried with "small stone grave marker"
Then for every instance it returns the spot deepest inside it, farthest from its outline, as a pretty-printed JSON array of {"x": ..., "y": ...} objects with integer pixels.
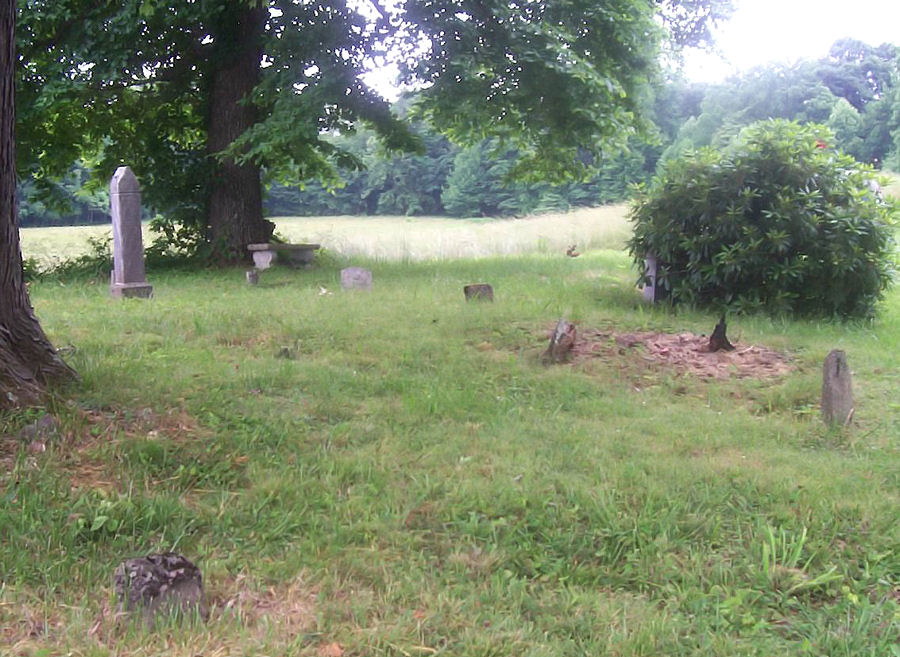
[
  {"x": 479, "y": 292},
  {"x": 837, "y": 390},
  {"x": 356, "y": 278},
  {"x": 127, "y": 279}
]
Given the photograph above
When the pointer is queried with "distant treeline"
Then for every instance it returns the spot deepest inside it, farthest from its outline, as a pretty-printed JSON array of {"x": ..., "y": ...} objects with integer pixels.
[
  {"x": 449, "y": 181},
  {"x": 67, "y": 202},
  {"x": 854, "y": 90}
]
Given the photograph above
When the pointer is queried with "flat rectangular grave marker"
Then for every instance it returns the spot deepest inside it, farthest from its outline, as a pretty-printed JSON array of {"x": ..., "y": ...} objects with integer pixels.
[
  {"x": 356, "y": 278},
  {"x": 478, "y": 292}
]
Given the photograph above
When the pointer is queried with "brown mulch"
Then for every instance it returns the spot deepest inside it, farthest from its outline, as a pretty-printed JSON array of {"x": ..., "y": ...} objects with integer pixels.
[{"x": 685, "y": 353}]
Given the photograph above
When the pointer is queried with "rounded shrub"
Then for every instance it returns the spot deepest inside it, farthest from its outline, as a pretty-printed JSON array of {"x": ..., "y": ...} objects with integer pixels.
[{"x": 777, "y": 221}]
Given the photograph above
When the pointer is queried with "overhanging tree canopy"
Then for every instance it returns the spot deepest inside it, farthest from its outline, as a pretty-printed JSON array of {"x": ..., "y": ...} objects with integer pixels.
[{"x": 202, "y": 98}]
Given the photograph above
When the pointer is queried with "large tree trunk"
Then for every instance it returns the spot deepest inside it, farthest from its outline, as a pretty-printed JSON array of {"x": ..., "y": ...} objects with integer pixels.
[
  {"x": 235, "y": 208},
  {"x": 28, "y": 362}
]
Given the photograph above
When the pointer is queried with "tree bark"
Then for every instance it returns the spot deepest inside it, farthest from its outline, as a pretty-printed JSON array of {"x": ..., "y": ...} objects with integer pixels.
[
  {"x": 28, "y": 362},
  {"x": 235, "y": 207}
]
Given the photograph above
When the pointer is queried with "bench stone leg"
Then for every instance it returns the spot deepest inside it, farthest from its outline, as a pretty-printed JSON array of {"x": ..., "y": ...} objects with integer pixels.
[{"x": 264, "y": 259}]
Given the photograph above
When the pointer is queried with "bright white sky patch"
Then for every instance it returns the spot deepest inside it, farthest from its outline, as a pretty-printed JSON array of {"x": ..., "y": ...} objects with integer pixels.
[{"x": 768, "y": 31}]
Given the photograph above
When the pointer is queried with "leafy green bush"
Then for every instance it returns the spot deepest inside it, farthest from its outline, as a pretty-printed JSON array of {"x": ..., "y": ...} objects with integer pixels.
[
  {"x": 31, "y": 269},
  {"x": 777, "y": 221},
  {"x": 96, "y": 263}
]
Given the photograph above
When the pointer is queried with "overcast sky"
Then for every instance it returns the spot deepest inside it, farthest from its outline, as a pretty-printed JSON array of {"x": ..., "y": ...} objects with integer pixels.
[{"x": 765, "y": 31}]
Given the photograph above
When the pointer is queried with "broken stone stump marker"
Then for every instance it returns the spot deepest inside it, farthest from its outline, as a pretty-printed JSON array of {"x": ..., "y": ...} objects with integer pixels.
[
  {"x": 164, "y": 584},
  {"x": 837, "y": 390},
  {"x": 718, "y": 341},
  {"x": 561, "y": 342},
  {"x": 478, "y": 292},
  {"x": 356, "y": 278},
  {"x": 127, "y": 279}
]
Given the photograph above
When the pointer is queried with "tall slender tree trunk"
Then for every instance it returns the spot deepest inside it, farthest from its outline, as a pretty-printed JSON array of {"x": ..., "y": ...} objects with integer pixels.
[
  {"x": 28, "y": 362},
  {"x": 235, "y": 207}
]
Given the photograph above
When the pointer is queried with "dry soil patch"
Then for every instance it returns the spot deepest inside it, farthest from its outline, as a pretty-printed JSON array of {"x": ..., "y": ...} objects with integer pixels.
[{"x": 685, "y": 353}]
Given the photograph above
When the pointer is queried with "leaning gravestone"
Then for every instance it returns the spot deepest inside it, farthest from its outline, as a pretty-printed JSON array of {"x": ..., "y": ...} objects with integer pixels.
[
  {"x": 356, "y": 278},
  {"x": 837, "y": 390},
  {"x": 160, "y": 584},
  {"x": 127, "y": 278}
]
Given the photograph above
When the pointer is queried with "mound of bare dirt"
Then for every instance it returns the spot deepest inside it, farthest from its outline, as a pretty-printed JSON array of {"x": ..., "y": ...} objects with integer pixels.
[{"x": 686, "y": 353}]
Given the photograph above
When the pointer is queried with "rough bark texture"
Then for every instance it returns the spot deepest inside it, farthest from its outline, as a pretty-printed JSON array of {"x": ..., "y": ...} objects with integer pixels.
[
  {"x": 28, "y": 362},
  {"x": 235, "y": 207}
]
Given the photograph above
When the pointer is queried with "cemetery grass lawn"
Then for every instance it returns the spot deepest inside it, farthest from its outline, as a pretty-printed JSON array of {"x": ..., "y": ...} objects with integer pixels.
[{"x": 396, "y": 473}]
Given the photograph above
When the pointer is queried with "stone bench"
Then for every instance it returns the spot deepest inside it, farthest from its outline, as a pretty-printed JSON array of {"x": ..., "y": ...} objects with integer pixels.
[{"x": 294, "y": 255}]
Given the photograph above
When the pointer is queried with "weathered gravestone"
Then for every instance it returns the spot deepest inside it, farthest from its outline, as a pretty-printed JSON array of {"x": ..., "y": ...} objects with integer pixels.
[
  {"x": 478, "y": 292},
  {"x": 127, "y": 279},
  {"x": 356, "y": 278},
  {"x": 160, "y": 584},
  {"x": 837, "y": 390}
]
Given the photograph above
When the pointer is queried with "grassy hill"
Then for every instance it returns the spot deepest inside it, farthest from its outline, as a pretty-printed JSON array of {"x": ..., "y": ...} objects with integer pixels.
[{"x": 397, "y": 472}]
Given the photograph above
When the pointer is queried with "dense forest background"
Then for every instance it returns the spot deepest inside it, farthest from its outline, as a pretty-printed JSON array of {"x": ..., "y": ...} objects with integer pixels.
[{"x": 854, "y": 90}]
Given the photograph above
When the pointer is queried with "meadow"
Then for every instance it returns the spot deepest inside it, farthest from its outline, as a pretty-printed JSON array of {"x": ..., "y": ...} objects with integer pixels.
[
  {"x": 396, "y": 472},
  {"x": 391, "y": 238}
]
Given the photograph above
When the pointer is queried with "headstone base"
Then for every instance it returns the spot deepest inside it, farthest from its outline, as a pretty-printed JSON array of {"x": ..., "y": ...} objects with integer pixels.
[{"x": 129, "y": 290}]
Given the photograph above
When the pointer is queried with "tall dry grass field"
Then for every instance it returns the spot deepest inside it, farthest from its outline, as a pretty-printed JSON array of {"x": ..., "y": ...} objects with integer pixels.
[
  {"x": 53, "y": 244},
  {"x": 416, "y": 239},
  {"x": 393, "y": 238}
]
